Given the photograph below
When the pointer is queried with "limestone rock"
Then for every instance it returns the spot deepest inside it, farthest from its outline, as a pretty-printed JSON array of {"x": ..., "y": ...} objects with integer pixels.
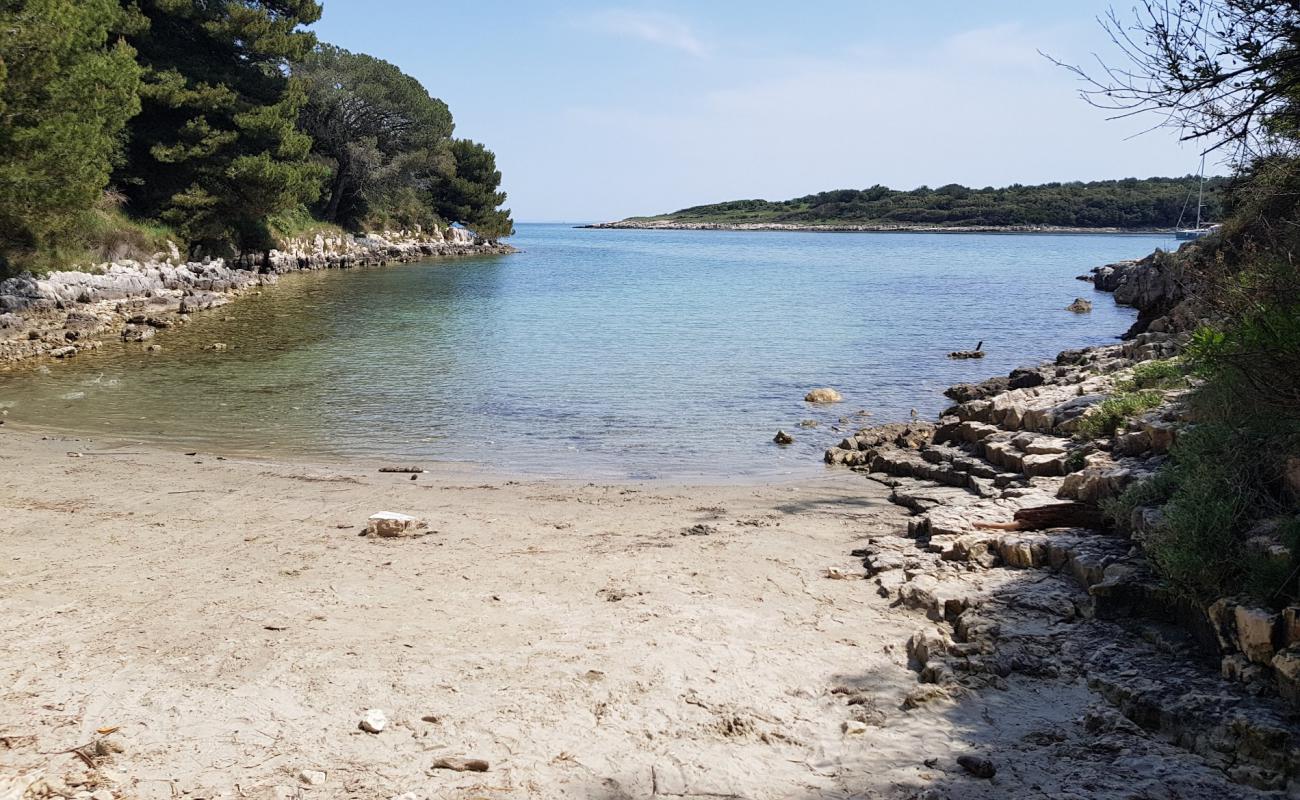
[
  {"x": 1257, "y": 630},
  {"x": 138, "y": 333},
  {"x": 374, "y": 721},
  {"x": 390, "y": 524},
  {"x": 823, "y": 395},
  {"x": 312, "y": 777}
]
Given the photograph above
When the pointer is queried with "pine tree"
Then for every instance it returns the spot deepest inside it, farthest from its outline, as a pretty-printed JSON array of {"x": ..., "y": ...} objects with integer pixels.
[
  {"x": 470, "y": 196},
  {"x": 216, "y": 149},
  {"x": 380, "y": 131},
  {"x": 67, "y": 88}
]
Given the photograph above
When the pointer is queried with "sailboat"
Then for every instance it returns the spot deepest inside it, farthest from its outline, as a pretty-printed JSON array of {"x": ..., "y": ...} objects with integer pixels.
[{"x": 1202, "y": 228}]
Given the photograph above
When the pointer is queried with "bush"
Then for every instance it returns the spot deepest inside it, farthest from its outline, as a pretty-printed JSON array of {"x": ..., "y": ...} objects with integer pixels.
[
  {"x": 1114, "y": 411},
  {"x": 1165, "y": 374}
]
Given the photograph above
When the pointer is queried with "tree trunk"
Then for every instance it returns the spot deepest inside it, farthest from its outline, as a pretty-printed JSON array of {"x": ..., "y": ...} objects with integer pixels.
[{"x": 336, "y": 192}]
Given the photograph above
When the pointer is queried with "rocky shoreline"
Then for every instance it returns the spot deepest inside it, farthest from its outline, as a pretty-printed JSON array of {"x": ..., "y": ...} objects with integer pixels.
[
  {"x": 65, "y": 313},
  {"x": 673, "y": 225},
  {"x": 1018, "y": 571}
]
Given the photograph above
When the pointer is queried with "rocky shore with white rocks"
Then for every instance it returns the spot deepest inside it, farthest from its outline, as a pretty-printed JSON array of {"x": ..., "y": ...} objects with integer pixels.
[
  {"x": 61, "y": 314},
  {"x": 1016, "y": 573}
]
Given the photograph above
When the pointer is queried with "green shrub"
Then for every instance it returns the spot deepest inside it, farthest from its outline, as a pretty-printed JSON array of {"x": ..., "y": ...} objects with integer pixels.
[
  {"x": 1114, "y": 411},
  {"x": 1168, "y": 373}
]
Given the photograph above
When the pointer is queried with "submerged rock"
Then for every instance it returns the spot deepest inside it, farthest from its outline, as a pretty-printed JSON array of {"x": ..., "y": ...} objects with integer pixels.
[
  {"x": 783, "y": 438},
  {"x": 1080, "y": 306}
]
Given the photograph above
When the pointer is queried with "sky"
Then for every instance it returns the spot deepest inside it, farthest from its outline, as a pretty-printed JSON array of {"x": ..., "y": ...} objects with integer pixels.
[{"x": 600, "y": 111}]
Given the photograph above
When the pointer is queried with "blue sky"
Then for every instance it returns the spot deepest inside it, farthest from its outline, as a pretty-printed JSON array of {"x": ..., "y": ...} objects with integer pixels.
[{"x": 599, "y": 111}]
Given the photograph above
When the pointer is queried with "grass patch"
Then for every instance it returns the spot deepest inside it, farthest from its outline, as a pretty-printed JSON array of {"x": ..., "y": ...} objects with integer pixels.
[
  {"x": 96, "y": 236},
  {"x": 1114, "y": 411},
  {"x": 1170, "y": 373},
  {"x": 298, "y": 223}
]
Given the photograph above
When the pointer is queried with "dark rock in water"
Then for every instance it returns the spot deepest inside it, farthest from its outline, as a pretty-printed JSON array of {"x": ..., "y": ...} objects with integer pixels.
[
  {"x": 1080, "y": 306},
  {"x": 964, "y": 392},
  {"x": 977, "y": 766},
  {"x": 783, "y": 438}
]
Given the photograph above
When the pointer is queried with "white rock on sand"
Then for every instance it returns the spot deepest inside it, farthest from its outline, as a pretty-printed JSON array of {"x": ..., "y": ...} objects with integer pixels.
[
  {"x": 390, "y": 524},
  {"x": 374, "y": 721}
]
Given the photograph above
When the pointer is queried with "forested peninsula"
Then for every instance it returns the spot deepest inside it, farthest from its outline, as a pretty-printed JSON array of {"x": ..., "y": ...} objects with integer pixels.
[
  {"x": 1131, "y": 204},
  {"x": 223, "y": 129}
]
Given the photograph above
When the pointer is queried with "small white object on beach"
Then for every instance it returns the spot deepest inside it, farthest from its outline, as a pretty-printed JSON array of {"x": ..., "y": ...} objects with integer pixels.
[
  {"x": 823, "y": 395},
  {"x": 312, "y": 777},
  {"x": 373, "y": 721},
  {"x": 391, "y": 523}
]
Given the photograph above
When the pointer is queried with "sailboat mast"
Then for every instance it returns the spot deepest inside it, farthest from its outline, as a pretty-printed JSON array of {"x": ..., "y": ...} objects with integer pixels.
[{"x": 1200, "y": 196}]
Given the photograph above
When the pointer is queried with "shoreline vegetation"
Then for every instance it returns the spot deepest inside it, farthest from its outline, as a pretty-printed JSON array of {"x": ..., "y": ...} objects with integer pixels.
[
  {"x": 1118, "y": 206},
  {"x": 222, "y": 129}
]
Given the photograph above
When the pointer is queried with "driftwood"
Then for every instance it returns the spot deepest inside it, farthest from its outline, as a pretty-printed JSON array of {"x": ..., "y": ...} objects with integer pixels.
[
  {"x": 461, "y": 764},
  {"x": 403, "y": 470},
  {"x": 1057, "y": 515}
]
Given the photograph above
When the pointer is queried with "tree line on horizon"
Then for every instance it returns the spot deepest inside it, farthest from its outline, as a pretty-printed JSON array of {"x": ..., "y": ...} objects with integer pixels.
[
  {"x": 1130, "y": 203},
  {"x": 222, "y": 125}
]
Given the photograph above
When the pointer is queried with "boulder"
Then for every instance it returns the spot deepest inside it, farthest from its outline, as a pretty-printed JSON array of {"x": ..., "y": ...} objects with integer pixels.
[
  {"x": 1080, "y": 306},
  {"x": 1286, "y": 666},
  {"x": 389, "y": 524},
  {"x": 1257, "y": 630},
  {"x": 783, "y": 438},
  {"x": 823, "y": 395}
]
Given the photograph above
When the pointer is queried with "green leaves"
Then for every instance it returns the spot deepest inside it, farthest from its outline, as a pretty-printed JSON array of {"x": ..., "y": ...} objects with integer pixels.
[
  {"x": 67, "y": 92},
  {"x": 380, "y": 133},
  {"x": 216, "y": 148}
]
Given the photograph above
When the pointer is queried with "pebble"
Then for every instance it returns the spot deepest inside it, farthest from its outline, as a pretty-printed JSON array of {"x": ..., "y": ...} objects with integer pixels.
[
  {"x": 977, "y": 766},
  {"x": 312, "y": 777},
  {"x": 373, "y": 721},
  {"x": 102, "y": 794}
]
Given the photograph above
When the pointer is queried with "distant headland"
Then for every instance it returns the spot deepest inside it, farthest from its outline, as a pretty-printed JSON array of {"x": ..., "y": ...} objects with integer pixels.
[{"x": 1114, "y": 206}]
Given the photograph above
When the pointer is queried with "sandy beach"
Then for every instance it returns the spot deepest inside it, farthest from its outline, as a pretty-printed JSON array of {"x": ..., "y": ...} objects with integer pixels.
[
  {"x": 217, "y": 628},
  {"x": 227, "y": 619}
]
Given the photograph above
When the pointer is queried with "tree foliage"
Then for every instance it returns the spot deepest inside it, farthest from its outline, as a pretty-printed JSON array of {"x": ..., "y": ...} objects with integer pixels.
[
  {"x": 67, "y": 88},
  {"x": 216, "y": 148},
  {"x": 382, "y": 134},
  {"x": 471, "y": 194},
  {"x": 1225, "y": 73},
  {"x": 1128, "y": 203}
]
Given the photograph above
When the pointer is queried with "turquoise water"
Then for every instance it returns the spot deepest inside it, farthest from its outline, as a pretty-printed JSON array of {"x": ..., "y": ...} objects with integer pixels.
[{"x": 596, "y": 352}]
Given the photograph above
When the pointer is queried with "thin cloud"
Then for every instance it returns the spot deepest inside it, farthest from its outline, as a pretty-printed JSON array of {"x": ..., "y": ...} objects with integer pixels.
[{"x": 655, "y": 28}]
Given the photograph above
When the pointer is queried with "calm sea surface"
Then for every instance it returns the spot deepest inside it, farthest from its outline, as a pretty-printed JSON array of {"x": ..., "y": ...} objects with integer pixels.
[{"x": 595, "y": 353}]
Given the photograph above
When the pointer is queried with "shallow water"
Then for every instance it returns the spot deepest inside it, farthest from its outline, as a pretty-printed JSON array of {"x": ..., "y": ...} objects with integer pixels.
[{"x": 667, "y": 354}]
